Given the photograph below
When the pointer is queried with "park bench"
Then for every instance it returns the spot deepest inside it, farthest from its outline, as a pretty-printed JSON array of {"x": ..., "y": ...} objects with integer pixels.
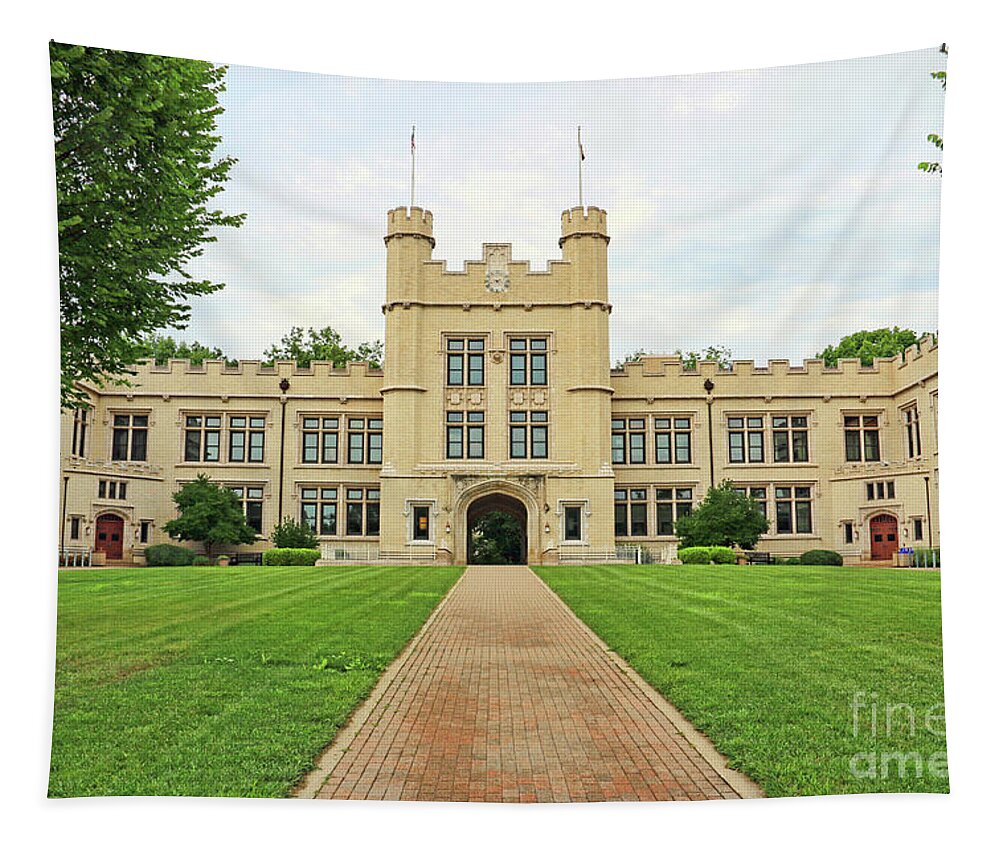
[{"x": 759, "y": 558}]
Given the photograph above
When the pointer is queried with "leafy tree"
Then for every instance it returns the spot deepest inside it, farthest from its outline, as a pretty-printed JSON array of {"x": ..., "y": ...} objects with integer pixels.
[
  {"x": 721, "y": 355},
  {"x": 496, "y": 539},
  {"x": 632, "y": 357},
  {"x": 724, "y": 518},
  {"x": 292, "y": 535},
  {"x": 868, "y": 345},
  {"x": 161, "y": 349},
  {"x": 934, "y": 138},
  {"x": 304, "y": 346},
  {"x": 135, "y": 173},
  {"x": 209, "y": 513}
]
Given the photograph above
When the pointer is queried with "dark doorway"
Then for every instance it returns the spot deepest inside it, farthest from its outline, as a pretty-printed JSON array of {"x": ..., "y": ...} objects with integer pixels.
[
  {"x": 110, "y": 530},
  {"x": 496, "y": 531},
  {"x": 884, "y": 536}
]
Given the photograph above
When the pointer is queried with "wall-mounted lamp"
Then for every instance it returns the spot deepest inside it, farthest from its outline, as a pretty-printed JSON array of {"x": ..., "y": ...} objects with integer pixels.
[
  {"x": 709, "y": 385},
  {"x": 447, "y": 528},
  {"x": 547, "y": 529},
  {"x": 283, "y": 385}
]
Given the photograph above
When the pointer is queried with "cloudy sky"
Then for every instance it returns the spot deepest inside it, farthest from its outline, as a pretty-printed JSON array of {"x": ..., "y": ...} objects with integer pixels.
[{"x": 770, "y": 211}]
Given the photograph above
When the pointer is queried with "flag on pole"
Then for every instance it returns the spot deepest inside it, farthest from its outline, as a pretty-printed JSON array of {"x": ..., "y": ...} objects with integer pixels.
[
  {"x": 579, "y": 142},
  {"x": 413, "y": 139}
]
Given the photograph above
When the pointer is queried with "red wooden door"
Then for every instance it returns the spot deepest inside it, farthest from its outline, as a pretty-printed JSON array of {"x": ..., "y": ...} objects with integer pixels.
[
  {"x": 110, "y": 530},
  {"x": 884, "y": 532}
]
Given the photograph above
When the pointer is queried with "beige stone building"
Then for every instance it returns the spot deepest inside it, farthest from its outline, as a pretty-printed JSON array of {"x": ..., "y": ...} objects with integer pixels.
[{"x": 497, "y": 394}]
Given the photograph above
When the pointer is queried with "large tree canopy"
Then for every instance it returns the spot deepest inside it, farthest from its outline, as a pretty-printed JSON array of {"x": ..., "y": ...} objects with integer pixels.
[
  {"x": 209, "y": 513},
  {"x": 161, "y": 348},
  {"x": 304, "y": 346},
  {"x": 724, "y": 518},
  {"x": 135, "y": 172},
  {"x": 868, "y": 345}
]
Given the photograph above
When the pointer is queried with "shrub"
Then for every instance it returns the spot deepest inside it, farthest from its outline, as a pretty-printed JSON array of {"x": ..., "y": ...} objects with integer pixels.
[
  {"x": 201, "y": 561},
  {"x": 291, "y": 535},
  {"x": 722, "y": 555},
  {"x": 288, "y": 556},
  {"x": 168, "y": 555},
  {"x": 706, "y": 555},
  {"x": 821, "y": 557},
  {"x": 695, "y": 555},
  {"x": 724, "y": 518}
]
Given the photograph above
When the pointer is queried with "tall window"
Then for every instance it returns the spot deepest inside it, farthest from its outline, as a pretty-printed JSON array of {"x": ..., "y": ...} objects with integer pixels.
[
  {"x": 671, "y": 503},
  {"x": 421, "y": 522},
  {"x": 465, "y": 434},
  {"x": 246, "y": 439},
  {"x": 318, "y": 510},
  {"x": 363, "y": 511},
  {"x": 74, "y": 528},
  {"x": 320, "y": 438},
  {"x": 628, "y": 441},
  {"x": 631, "y": 513},
  {"x": 880, "y": 490},
  {"x": 912, "y": 420},
  {"x": 251, "y": 499},
  {"x": 793, "y": 510},
  {"x": 573, "y": 523},
  {"x": 466, "y": 361},
  {"x": 144, "y": 527},
  {"x": 529, "y": 361},
  {"x": 78, "y": 446},
  {"x": 107, "y": 489},
  {"x": 861, "y": 431},
  {"x": 746, "y": 440},
  {"x": 201, "y": 438},
  {"x": 364, "y": 440},
  {"x": 529, "y": 434},
  {"x": 790, "y": 438},
  {"x": 918, "y": 529},
  {"x": 128, "y": 437},
  {"x": 672, "y": 440}
]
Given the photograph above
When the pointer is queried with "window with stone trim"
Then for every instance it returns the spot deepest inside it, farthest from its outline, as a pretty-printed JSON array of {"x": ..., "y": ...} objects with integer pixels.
[
  {"x": 251, "y": 499},
  {"x": 672, "y": 440},
  {"x": 793, "y": 509},
  {"x": 529, "y": 361},
  {"x": 466, "y": 361},
  {"x": 861, "y": 437},
  {"x": 320, "y": 440},
  {"x": 911, "y": 423},
  {"x": 631, "y": 513},
  {"x": 758, "y": 493},
  {"x": 318, "y": 509},
  {"x": 465, "y": 434},
  {"x": 790, "y": 439},
  {"x": 202, "y": 437},
  {"x": 364, "y": 440},
  {"x": 363, "y": 511},
  {"x": 78, "y": 443},
  {"x": 628, "y": 440},
  {"x": 246, "y": 439},
  {"x": 746, "y": 439},
  {"x": 129, "y": 437},
  {"x": 885, "y": 489},
  {"x": 111, "y": 489},
  {"x": 671, "y": 504}
]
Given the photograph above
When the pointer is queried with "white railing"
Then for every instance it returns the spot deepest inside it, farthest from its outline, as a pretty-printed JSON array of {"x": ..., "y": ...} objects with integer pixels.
[
  {"x": 338, "y": 553},
  {"x": 75, "y": 557}
]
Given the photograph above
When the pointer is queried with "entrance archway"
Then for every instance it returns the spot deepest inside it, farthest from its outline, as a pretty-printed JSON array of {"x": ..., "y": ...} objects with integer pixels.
[
  {"x": 884, "y": 534},
  {"x": 109, "y": 534},
  {"x": 480, "y": 509}
]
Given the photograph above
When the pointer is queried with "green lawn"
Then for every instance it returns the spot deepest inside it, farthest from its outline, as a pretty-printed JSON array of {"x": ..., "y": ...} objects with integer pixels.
[
  {"x": 767, "y": 661},
  {"x": 220, "y": 681}
]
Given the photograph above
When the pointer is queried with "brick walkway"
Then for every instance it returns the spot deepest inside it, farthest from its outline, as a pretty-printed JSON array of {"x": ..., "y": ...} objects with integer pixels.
[{"x": 505, "y": 695}]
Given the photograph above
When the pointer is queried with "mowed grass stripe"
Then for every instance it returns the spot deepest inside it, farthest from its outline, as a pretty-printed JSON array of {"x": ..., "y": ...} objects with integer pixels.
[
  {"x": 766, "y": 661},
  {"x": 220, "y": 681}
]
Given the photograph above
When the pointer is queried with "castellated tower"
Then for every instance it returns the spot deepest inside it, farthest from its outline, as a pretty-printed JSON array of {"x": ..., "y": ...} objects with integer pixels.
[{"x": 496, "y": 394}]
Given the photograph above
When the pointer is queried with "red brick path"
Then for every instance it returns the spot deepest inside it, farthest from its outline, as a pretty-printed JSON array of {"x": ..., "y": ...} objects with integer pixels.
[{"x": 506, "y": 696}]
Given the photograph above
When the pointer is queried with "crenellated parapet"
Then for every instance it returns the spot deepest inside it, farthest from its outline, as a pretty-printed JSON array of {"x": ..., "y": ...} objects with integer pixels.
[
  {"x": 217, "y": 378},
  {"x": 584, "y": 221},
  {"x": 410, "y": 221},
  {"x": 667, "y": 374}
]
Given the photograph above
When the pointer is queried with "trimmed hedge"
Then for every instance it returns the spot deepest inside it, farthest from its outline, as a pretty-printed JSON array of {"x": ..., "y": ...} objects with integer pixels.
[
  {"x": 168, "y": 555},
  {"x": 201, "y": 561},
  {"x": 706, "y": 555},
  {"x": 821, "y": 557},
  {"x": 289, "y": 556}
]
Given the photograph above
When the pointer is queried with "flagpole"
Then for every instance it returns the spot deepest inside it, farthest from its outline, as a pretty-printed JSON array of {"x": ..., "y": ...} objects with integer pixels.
[
  {"x": 579, "y": 163},
  {"x": 413, "y": 162}
]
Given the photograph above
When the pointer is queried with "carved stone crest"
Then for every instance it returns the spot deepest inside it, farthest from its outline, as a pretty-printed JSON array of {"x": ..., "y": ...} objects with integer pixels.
[{"x": 497, "y": 256}]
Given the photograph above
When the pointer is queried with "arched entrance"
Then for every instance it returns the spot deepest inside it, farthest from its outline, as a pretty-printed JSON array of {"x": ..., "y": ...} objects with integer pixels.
[
  {"x": 480, "y": 510},
  {"x": 883, "y": 530},
  {"x": 108, "y": 536}
]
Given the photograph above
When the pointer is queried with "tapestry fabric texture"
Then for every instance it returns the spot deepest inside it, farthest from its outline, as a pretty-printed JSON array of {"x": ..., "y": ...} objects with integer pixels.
[{"x": 527, "y": 443}]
